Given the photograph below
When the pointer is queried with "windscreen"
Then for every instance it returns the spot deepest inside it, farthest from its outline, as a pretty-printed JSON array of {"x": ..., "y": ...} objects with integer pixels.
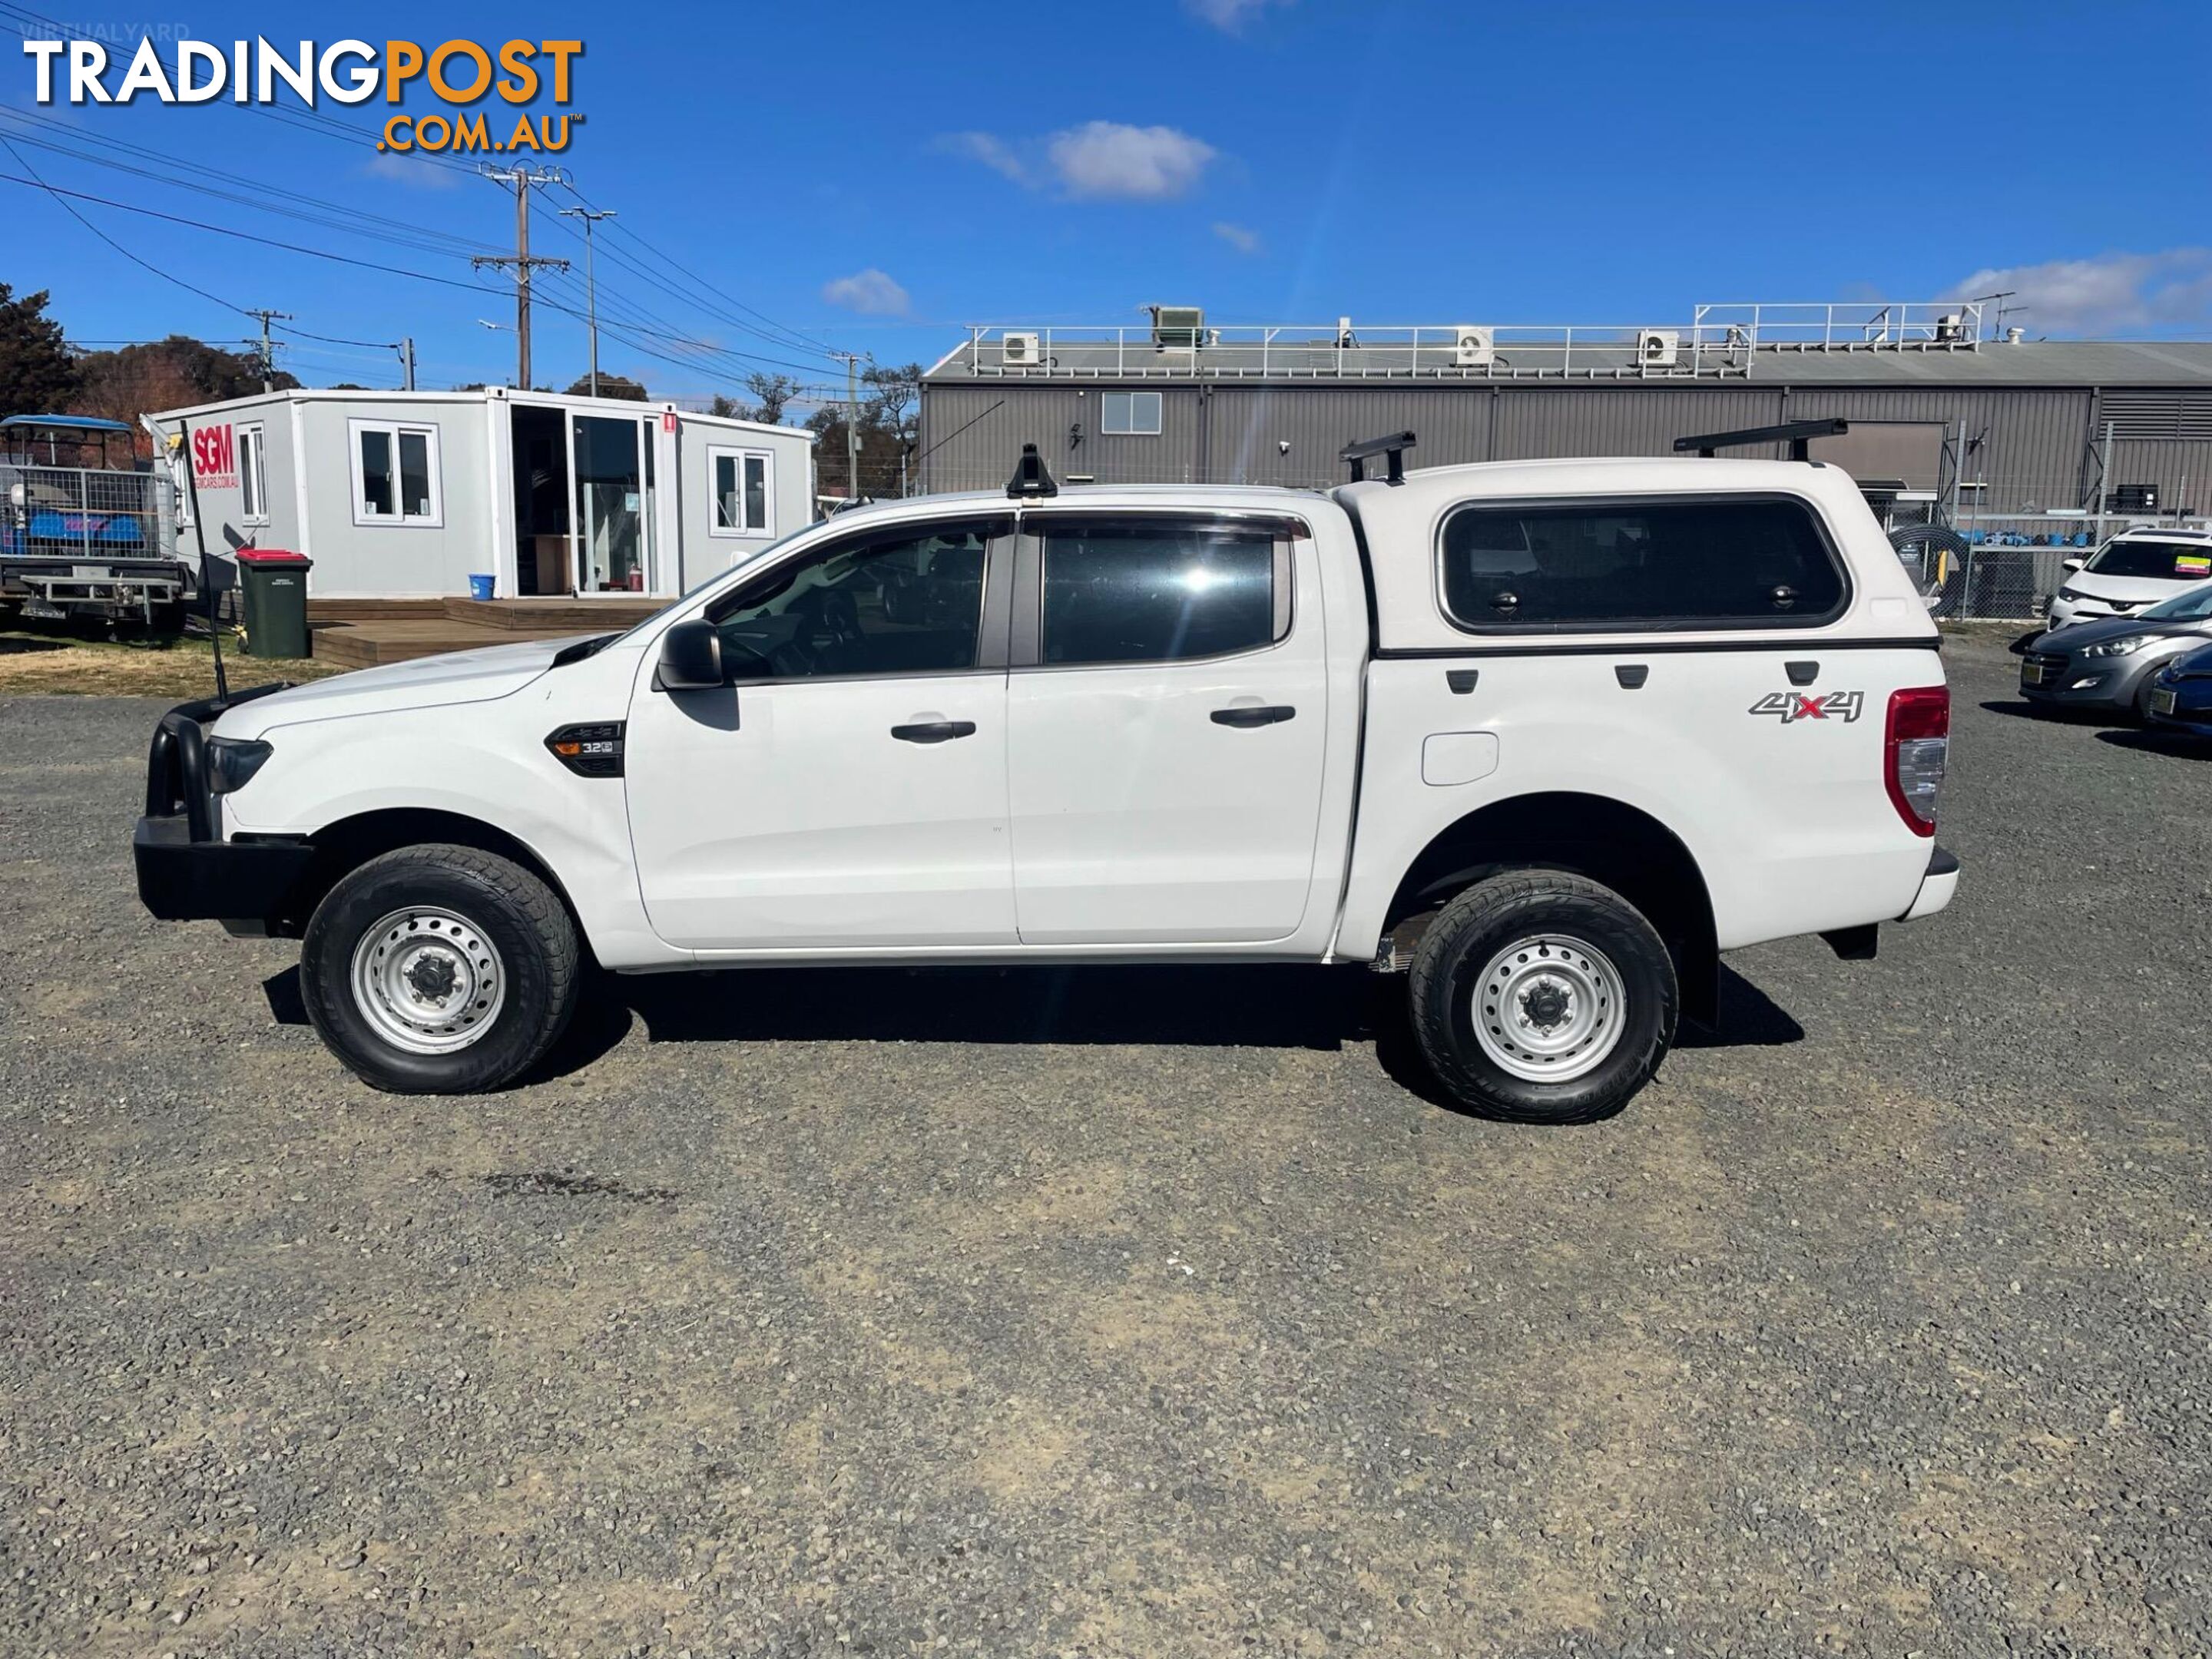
[{"x": 2182, "y": 561}]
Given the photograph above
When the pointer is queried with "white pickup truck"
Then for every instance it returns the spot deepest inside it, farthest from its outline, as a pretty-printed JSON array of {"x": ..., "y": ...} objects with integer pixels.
[{"x": 1546, "y": 737}]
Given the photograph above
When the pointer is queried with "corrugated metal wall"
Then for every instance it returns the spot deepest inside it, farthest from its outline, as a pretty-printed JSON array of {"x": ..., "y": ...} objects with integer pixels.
[{"x": 2031, "y": 444}]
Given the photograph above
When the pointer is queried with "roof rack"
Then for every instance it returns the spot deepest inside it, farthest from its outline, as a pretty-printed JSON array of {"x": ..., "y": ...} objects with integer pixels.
[
  {"x": 1394, "y": 445},
  {"x": 1030, "y": 481},
  {"x": 1798, "y": 435}
]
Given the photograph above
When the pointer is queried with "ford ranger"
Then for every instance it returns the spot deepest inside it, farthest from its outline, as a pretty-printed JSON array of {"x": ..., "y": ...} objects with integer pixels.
[{"x": 1545, "y": 738}]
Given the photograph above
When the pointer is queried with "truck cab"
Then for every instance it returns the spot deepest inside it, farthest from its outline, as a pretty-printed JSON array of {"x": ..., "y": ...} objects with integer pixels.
[{"x": 1543, "y": 737}]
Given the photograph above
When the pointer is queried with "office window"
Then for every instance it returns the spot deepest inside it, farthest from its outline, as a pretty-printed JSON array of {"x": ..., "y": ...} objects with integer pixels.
[
  {"x": 1129, "y": 413},
  {"x": 395, "y": 474},
  {"x": 744, "y": 487},
  {"x": 252, "y": 481}
]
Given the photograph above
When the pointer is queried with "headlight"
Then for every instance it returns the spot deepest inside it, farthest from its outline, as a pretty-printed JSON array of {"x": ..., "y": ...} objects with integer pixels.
[
  {"x": 2126, "y": 646},
  {"x": 232, "y": 762},
  {"x": 2069, "y": 593}
]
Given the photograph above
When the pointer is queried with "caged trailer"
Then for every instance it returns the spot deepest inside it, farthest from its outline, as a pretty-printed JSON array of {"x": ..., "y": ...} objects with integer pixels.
[{"x": 81, "y": 529}]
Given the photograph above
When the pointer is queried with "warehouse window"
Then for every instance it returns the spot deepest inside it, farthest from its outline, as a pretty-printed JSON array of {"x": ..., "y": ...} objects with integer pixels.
[
  {"x": 1629, "y": 565},
  {"x": 1129, "y": 413},
  {"x": 743, "y": 490},
  {"x": 253, "y": 478},
  {"x": 395, "y": 475}
]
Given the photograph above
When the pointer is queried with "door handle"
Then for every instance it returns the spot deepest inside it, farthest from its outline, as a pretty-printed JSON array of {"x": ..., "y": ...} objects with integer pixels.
[
  {"x": 934, "y": 731},
  {"x": 1250, "y": 714}
]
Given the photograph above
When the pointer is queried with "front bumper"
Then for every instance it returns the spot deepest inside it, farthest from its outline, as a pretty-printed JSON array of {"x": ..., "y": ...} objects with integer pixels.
[
  {"x": 187, "y": 871},
  {"x": 2118, "y": 679},
  {"x": 2191, "y": 715}
]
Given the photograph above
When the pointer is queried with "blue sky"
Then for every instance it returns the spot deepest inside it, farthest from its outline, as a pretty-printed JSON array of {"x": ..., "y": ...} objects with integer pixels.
[{"x": 873, "y": 177}]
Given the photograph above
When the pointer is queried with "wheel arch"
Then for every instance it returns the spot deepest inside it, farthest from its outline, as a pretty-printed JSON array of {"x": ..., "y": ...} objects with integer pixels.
[
  {"x": 1610, "y": 841},
  {"x": 345, "y": 845}
]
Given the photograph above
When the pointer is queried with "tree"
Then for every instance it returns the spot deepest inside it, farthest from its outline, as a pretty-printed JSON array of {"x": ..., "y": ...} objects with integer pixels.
[
  {"x": 38, "y": 376},
  {"x": 772, "y": 393},
  {"x": 172, "y": 374},
  {"x": 889, "y": 415},
  {"x": 611, "y": 386}
]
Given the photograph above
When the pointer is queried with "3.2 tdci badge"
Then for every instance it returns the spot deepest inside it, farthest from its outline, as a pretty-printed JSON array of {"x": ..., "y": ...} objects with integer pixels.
[{"x": 1791, "y": 707}]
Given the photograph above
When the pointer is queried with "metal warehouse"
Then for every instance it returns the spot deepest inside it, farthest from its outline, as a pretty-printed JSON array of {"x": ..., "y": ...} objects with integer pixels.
[
  {"x": 1944, "y": 404},
  {"x": 410, "y": 494}
]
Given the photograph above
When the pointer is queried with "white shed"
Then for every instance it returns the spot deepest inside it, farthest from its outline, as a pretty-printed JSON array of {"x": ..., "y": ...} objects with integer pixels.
[{"x": 406, "y": 495}]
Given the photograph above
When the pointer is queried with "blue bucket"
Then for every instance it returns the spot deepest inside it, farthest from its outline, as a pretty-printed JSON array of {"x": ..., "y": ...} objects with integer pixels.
[{"x": 480, "y": 587}]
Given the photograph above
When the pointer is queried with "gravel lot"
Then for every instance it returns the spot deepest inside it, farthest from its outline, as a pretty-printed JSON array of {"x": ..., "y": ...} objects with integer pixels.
[{"x": 1136, "y": 1313}]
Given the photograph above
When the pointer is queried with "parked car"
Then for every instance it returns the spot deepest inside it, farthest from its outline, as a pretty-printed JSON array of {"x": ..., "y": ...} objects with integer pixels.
[
  {"x": 1546, "y": 737},
  {"x": 2181, "y": 695},
  {"x": 2109, "y": 666},
  {"x": 2135, "y": 568}
]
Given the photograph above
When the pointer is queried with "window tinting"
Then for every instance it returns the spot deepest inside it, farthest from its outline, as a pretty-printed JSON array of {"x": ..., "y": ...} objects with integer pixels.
[
  {"x": 1139, "y": 591},
  {"x": 910, "y": 605},
  {"x": 1635, "y": 565},
  {"x": 1129, "y": 413}
]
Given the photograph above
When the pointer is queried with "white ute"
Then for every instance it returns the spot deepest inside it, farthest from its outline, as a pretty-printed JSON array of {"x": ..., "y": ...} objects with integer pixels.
[{"x": 1546, "y": 737}]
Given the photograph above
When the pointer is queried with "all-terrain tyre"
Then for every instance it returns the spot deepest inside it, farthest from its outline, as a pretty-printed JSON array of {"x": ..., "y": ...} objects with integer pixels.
[
  {"x": 440, "y": 969},
  {"x": 1542, "y": 997}
]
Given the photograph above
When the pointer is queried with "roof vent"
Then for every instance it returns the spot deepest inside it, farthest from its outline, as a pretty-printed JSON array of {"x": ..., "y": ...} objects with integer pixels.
[{"x": 1178, "y": 327}]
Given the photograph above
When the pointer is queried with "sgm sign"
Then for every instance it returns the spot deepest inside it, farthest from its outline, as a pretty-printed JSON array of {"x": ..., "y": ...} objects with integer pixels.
[
  {"x": 458, "y": 73},
  {"x": 214, "y": 457}
]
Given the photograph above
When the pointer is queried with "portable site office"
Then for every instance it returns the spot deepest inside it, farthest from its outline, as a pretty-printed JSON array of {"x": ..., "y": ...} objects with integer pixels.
[{"x": 406, "y": 495}]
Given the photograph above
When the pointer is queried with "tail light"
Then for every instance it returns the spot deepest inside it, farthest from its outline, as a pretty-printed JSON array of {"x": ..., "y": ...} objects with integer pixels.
[{"x": 1915, "y": 746}]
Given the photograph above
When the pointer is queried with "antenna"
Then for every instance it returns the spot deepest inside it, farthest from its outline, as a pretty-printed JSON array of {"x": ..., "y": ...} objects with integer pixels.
[{"x": 211, "y": 585}]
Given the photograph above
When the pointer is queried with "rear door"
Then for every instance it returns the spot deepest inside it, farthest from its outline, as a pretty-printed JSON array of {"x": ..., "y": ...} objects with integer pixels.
[{"x": 1166, "y": 722}]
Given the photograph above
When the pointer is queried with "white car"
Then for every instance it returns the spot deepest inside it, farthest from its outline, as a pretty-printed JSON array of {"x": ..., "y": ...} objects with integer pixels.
[
  {"x": 1546, "y": 737},
  {"x": 2136, "y": 567}
]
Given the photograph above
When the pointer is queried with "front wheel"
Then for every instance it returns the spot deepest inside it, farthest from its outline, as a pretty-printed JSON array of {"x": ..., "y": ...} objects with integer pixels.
[
  {"x": 440, "y": 971},
  {"x": 1542, "y": 997}
]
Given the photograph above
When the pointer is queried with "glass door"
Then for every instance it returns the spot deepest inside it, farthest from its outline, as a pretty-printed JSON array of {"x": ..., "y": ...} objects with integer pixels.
[{"x": 613, "y": 514}]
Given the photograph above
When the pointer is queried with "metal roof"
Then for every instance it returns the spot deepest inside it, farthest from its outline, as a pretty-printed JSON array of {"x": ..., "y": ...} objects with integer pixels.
[{"x": 1434, "y": 360}]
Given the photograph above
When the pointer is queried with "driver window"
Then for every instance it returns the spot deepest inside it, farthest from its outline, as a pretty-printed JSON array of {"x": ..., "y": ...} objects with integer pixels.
[{"x": 908, "y": 602}]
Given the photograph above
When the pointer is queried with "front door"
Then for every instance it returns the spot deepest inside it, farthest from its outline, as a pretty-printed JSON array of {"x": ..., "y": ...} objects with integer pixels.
[
  {"x": 849, "y": 789},
  {"x": 1166, "y": 724},
  {"x": 613, "y": 515}
]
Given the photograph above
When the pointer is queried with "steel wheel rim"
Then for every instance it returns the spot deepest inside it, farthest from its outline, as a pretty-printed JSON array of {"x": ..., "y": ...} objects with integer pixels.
[
  {"x": 428, "y": 980},
  {"x": 1549, "y": 1008}
]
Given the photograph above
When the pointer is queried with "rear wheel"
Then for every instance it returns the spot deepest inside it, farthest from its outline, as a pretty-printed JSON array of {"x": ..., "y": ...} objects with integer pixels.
[
  {"x": 1543, "y": 998},
  {"x": 440, "y": 971}
]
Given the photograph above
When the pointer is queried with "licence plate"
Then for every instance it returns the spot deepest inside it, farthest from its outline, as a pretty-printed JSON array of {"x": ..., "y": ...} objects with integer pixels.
[
  {"x": 2031, "y": 673},
  {"x": 2161, "y": 702},
  {"x": 89, "y": 573}
]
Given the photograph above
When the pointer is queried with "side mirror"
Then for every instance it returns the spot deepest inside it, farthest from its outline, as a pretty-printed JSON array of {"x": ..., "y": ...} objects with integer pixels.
[
  {"x": 690, "y": 659},
  {"x": 2072, "y": 564}
]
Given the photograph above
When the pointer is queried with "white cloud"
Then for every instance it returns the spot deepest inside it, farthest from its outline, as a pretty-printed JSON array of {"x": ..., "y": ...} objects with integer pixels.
[
  {"x": 2109, "y": 292},
  {"x": 1105, "y": 160},
  {"x": 408, "y": 169},
  {"x": 869, "y": 292},
  {"x": 1243, "y": 241},
  {"x": 1231, "y": 16},
  {"x": 993, "y": 152}
]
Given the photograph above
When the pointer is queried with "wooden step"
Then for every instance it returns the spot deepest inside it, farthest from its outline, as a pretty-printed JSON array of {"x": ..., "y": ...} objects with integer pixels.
[
  {"x": 368, "y": 644},
  {"x": 371, "y": 609},
  {"x": 554, "y": 616}
]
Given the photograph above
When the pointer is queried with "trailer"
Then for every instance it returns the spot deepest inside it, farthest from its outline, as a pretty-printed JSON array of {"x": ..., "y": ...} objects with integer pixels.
[{"x": 82, "y": 530}]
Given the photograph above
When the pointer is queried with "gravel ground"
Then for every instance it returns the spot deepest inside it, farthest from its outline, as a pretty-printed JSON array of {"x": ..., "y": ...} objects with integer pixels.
[{"x": 1135, "y": 1312}]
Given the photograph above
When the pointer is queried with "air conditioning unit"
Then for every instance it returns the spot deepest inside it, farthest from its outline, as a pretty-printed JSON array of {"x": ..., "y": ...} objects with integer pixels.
[
  {"x": 1473, "y": 347},
  {"x": 1178, "y": 327},
  {"x": 1021, "y": 350},
  {"x": 1657, "y": 348}
]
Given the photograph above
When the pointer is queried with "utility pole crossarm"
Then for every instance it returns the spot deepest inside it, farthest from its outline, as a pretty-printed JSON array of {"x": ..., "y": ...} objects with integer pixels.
[{"x": 268, "y": 346}]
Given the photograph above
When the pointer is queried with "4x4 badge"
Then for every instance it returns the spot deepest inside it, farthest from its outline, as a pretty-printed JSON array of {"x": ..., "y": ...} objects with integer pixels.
[{"x": 1793, "y": 706}]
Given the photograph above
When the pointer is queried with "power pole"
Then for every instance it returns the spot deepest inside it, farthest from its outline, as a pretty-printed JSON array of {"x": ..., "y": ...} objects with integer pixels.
[
  {"x": 407, "y": 362},
  {"x": 590, "y": 216},
  {"x": 852, "y": 425},
  {"x": 268, "y": 349},
  {"x": 522, "y": 179}
]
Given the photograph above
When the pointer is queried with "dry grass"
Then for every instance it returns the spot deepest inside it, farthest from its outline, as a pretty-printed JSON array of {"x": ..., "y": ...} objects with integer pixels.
[{"x": 32, "y": 663}]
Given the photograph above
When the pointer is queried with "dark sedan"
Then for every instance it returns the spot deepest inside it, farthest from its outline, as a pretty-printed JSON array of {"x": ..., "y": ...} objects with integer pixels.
[
  {"x": 2181, "y": 695},
  {"x": 2109, "y": 666}
]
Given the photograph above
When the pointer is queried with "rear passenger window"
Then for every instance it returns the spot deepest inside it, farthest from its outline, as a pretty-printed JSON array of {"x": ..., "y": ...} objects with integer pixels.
[
  {"x": 1160, "y": 590},
  {"x": 1625, "y": 566}
]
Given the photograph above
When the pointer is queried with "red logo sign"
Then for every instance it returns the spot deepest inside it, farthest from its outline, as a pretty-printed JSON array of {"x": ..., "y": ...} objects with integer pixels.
[{"x": 214, "y": 457}]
